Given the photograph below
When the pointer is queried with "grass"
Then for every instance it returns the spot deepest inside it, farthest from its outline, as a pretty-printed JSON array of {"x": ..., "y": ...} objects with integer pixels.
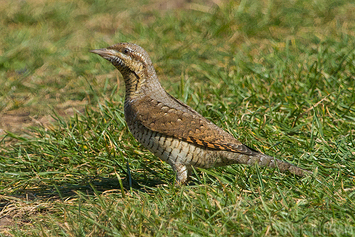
[{"x": 277, "y": 75}]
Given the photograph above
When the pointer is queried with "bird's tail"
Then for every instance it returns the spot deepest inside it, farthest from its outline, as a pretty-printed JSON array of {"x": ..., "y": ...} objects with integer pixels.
[{"x": 269, "y": 161}]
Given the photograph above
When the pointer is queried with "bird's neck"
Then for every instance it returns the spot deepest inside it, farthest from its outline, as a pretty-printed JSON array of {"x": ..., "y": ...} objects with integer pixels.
[
  {"x": 133, "y": 84},
  {"x": 141, "y": 84}
]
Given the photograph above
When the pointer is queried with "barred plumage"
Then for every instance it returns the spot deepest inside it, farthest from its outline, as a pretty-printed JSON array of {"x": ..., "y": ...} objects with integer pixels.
[{"x": 172, "y": 130}]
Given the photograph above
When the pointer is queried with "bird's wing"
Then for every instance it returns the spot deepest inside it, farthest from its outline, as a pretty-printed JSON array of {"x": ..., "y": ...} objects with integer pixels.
[{"x": 187, "y": 125}]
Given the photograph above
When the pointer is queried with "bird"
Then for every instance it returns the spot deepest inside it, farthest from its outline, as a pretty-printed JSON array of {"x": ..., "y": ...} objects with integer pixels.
[{"x": 172, "y": 130}]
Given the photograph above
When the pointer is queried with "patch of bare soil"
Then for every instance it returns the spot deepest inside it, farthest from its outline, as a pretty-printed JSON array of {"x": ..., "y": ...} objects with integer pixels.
[
  {"x": 18, "y": 212},
  {"x": 18, "y": 120}
]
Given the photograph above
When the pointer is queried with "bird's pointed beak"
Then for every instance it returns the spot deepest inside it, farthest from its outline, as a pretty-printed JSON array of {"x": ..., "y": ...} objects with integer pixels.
[
  {"x": 102, "y": 52},
  {"x": 99, "y": 51}
]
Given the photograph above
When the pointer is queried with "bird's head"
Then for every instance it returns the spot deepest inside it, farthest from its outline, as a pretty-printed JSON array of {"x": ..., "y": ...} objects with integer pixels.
[{"x": 127, "y": 58}]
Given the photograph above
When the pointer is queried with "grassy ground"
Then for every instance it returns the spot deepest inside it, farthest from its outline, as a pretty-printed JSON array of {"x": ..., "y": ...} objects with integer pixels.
[{"x": 278, "y": 75}]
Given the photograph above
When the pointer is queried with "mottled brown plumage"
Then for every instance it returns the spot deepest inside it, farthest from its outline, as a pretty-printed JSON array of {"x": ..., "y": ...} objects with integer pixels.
[
  {"x": 172, "y": 130},
  {"x": 172, "y": 122}
]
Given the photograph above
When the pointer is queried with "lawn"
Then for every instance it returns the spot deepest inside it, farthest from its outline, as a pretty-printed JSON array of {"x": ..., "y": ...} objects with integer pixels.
[{"x": 278, "y": 75}]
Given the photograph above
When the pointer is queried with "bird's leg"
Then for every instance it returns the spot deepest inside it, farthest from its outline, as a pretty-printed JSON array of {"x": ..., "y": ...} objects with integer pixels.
[{"x": 183, "y": 172}]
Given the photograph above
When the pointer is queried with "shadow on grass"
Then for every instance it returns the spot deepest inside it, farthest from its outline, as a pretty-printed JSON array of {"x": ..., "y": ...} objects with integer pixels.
[
  {"x": 92, "y": 186},
  {"x": 19, "y": 207}
]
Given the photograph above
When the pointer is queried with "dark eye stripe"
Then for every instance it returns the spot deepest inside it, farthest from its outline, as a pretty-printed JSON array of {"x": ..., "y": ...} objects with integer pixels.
[
  {"x": 135, "y": 55},
  {"x": 139, "y": 58}
]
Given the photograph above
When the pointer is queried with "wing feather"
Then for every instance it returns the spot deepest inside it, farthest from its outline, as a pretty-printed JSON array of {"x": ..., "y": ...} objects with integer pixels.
[{"x": 186, "y": 124}]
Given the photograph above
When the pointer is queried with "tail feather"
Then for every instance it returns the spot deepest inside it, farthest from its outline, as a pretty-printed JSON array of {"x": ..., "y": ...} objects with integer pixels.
[{"x": 283, "y": 166}]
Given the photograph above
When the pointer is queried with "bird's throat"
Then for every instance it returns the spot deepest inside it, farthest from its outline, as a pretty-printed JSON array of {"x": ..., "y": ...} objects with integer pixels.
[{"x": 133, "y": 84}]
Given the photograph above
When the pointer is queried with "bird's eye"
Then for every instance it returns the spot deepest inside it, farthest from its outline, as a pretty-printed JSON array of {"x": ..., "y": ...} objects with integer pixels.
[{"x": 125, "y": 51}]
